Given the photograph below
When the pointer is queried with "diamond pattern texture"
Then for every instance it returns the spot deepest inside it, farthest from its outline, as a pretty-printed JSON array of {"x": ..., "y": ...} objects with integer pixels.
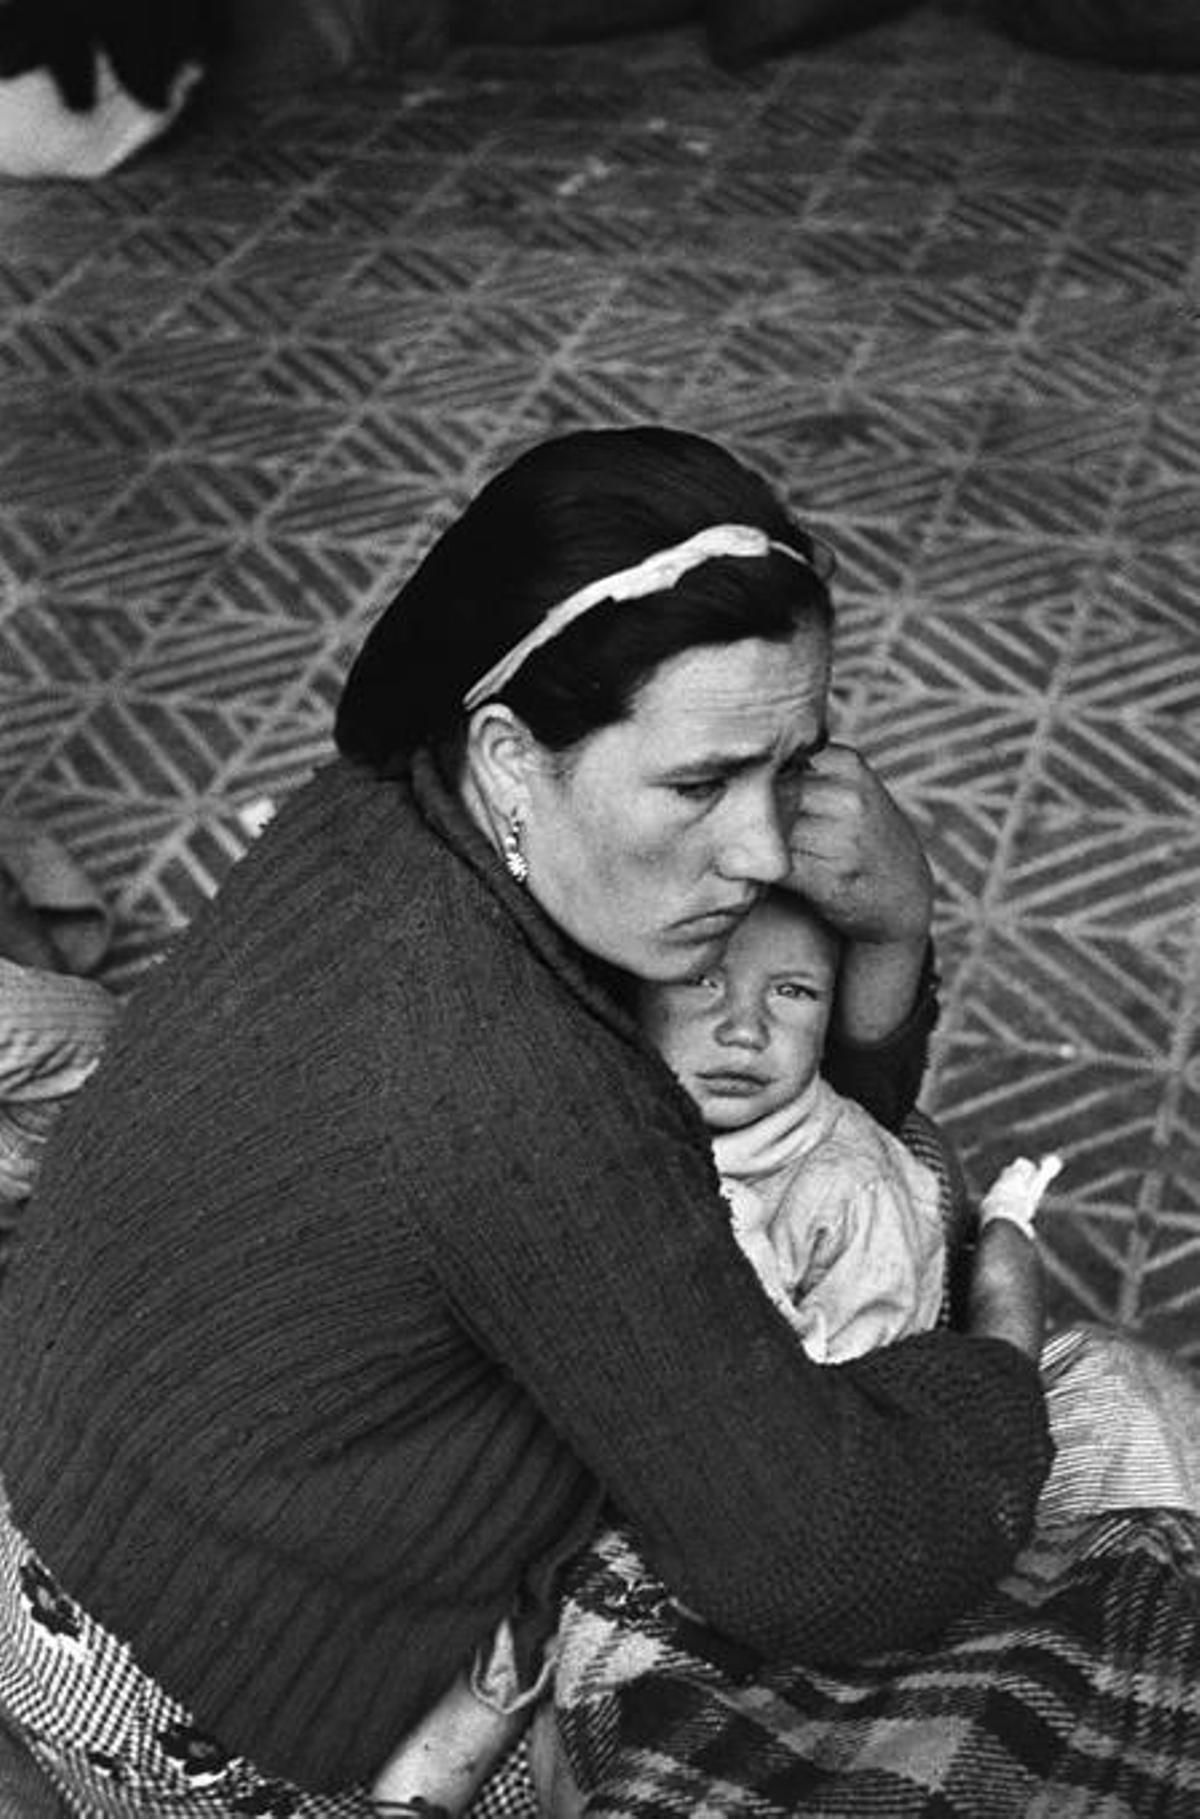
[{"x": 941, "y": 289}]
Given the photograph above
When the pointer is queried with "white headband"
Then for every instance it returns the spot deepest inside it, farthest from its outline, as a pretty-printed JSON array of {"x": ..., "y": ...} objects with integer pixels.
[{"x": 653, "y": 576}]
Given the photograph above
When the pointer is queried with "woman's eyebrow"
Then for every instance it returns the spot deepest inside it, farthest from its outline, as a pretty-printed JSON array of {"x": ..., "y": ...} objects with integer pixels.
[{"x": 704, "y": 764}]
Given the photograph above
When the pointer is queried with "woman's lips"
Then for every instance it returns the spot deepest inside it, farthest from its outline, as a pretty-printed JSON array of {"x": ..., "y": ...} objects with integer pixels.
[{"x": 717, "y": 921}]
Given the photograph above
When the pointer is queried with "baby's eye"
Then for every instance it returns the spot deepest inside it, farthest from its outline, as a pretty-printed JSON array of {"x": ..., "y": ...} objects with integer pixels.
[{"x": 794, "y": 988}]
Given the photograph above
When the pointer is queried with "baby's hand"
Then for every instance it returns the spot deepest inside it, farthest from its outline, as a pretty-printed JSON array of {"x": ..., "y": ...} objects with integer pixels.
[{"x": 1017, "y": 1191}]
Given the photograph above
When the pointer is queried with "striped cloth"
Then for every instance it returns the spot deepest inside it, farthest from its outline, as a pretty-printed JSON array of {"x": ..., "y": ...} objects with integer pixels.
[
  {"x": 1126, "y": 1425},
  {"x": 52, "y": 1030}
]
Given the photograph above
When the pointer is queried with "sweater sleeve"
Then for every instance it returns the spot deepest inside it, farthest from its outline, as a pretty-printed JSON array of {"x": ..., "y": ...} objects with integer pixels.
[
  {"x": 828, "y": 1513},
  {"x": 885, "y": 1076}
]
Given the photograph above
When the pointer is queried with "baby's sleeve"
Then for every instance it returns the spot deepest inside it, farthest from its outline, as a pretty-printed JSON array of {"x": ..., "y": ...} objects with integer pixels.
[{"x": 864, "y": 1257}]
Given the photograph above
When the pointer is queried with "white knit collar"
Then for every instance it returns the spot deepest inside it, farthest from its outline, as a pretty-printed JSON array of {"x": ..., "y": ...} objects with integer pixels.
[{"x": 778, "y": 1138}]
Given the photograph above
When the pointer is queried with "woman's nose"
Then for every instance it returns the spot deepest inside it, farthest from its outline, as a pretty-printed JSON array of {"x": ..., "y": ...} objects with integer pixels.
[{"x": 755, "y": 848}]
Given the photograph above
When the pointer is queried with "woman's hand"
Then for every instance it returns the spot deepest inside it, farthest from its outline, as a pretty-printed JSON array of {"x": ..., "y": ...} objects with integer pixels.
[
  {"x": 857, "y": 859},
  {"x": 855, "y": 855}
]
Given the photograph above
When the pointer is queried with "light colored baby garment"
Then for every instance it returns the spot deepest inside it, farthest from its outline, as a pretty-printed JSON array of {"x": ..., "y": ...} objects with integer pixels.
[{"x": 840, "y": 1220}]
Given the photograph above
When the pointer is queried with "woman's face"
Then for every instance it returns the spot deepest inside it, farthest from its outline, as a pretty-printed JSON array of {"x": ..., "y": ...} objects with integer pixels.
[{"x": 652, "y": 841}]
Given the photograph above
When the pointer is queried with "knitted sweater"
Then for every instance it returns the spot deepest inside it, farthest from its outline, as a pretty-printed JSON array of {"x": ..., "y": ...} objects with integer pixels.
[{"x": 379, "y": 1248}]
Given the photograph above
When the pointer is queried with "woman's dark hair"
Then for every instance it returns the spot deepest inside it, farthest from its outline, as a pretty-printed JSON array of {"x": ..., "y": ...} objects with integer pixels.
[{"x": 563, "y": 515}]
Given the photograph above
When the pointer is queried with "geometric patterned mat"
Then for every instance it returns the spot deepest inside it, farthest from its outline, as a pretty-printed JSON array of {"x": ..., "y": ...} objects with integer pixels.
[{"x": 942, "y": 289}]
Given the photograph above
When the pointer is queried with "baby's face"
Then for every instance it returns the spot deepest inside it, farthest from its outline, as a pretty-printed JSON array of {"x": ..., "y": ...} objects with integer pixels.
[{"x": 746, "y": 1035}]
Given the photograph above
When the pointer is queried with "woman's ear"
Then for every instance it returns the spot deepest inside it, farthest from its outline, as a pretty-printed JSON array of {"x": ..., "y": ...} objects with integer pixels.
[{"x": 500, "y": 756}]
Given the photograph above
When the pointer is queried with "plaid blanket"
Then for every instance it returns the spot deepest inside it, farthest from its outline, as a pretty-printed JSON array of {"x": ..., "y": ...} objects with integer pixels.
[{"x": 1075, "y": 1690}]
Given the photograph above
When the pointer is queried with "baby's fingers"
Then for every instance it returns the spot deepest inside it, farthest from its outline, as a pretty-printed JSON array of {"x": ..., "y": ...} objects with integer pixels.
[{"x": 1017, "y": 1191}]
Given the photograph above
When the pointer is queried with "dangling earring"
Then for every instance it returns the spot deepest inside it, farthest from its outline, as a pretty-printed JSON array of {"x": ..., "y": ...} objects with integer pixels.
[{"x": 514, "y": 854}]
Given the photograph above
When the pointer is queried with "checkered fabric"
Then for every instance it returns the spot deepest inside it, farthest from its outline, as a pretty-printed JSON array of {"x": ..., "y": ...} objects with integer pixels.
[
  {"x": 509, "y": 1794},
  {"x": 108, "y": 1738}
]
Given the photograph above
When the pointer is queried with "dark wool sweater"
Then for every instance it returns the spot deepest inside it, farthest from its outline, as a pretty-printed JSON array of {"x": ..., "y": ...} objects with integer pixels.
[{"x": 377, "y": 1249}]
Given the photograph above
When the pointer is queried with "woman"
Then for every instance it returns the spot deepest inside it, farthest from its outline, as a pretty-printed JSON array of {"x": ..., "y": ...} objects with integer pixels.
[{"x": 382, "y": 1250}]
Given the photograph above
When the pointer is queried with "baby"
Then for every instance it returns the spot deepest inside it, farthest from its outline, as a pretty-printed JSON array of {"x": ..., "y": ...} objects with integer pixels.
[{"x": 839, "y": 1219}]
